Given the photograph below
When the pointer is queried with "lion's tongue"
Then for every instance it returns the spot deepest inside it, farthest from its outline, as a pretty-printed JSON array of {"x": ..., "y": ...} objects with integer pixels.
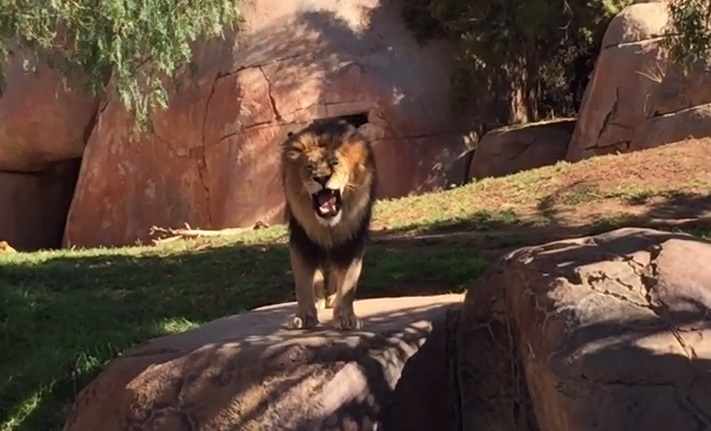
[{"x": 327, "y": 203}]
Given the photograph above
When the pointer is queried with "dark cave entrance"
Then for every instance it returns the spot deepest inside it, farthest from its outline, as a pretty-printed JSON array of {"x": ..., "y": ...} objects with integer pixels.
[
  {"x": 38, "y": 205},
  {"x": 356, "y": 120}
]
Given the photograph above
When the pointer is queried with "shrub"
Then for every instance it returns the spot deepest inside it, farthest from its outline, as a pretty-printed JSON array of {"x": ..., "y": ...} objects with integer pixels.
[
  {"x": 688, "y": 34},
  {"x": 134, "y": 42},
  {"x": 521, "y": 60}
]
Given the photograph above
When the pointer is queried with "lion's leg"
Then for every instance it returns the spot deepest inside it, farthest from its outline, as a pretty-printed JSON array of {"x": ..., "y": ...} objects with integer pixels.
[
  {"x": 320, "y": 290},
  {"x": 330, "y": 299},
  {"x": 329, "y": 294},
  {"x": 305, "y": 272},
  {"x": 344, "y": 278}
]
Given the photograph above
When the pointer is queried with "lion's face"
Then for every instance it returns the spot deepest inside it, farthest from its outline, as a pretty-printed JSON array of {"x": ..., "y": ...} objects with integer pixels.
[
  {"x": 326, "y": 164},
  {"x": 325, "y": 176}
]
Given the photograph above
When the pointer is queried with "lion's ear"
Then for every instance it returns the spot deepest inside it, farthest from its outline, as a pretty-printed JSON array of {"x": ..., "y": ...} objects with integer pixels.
[
  {"x": 291, "y": 149},
  {"x": 293, "y": 155}
]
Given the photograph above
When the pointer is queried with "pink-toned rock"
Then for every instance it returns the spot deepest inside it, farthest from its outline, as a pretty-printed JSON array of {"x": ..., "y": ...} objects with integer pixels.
[
  {"x": 126, "y": 186},
  {"x": 33, "y": 205},
  {"x": 618, "y": 93},
  {"x": 41, "y": 122},
  {"x": 636, "y": 98},
  {"x": 513, "y": 149},
  {"x": 212, "y": 160},
  {"x": 606, "y": 332},
  {"x": 247, "y": 372},
  {"x": 677, "y": 92},
  {"x": 694, "y": 122}
]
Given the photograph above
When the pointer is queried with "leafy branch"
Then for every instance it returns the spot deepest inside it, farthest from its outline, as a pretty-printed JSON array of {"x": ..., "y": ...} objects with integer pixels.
[
  {"x": 687, "y": 36},
  {"x": 137, "y": 43}
]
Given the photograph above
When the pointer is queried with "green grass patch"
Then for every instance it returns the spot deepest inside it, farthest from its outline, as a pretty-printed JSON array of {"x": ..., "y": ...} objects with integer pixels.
[{"x": 65, "y": 314}]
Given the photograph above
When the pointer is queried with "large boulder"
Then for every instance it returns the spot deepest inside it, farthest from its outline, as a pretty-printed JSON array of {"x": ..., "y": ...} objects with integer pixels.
[
  {"x": 212, "y": 158},
  {"x": 513, "y": 149},
  {"x": 603, "y": 332},
  {"x": 33, "y": 205},
  {"x": 617, "y": 95},
  {"x": 42, "y": 121},
  {"x": 248, "y": 373},
  {"x": 636, "y": 98},
  {"x": 690, "y": 123}
]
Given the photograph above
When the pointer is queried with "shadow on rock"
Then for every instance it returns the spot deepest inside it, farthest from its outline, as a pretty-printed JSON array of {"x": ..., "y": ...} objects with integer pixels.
[
  {"x": 65, "y": 316},
  {"x": 601, "y": 332},
  {"x": 247, "y": 372}
]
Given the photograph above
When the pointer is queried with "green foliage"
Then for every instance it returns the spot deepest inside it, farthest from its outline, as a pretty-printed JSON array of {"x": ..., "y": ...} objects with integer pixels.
[
  {"x": 534, "y": 51},
  {"x": 137, "y": 43},
  {"x": 688, "y": 33}
]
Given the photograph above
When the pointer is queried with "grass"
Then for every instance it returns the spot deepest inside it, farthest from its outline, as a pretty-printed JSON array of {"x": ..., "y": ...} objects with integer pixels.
[{"x": 64, "y": 314}]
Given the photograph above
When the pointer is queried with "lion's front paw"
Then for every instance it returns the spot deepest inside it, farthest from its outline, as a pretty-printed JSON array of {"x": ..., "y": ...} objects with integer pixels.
[
  {"x": 330, "y": 300},
  {"x": 305, "y": 321},
  {"x": 323, "y": 303},
  {"x": 346, "y": 320}
]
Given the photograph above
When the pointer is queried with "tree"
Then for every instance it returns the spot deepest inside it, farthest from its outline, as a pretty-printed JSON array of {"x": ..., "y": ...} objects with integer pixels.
[
  {"x": 134, "y": 42},
  {"x": 521, "y": 60},
  {"x": 688, "y": 34}
]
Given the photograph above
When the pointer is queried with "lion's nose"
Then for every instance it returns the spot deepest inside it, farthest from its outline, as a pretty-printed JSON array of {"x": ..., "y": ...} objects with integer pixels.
[{"x": 322, "y": 179}]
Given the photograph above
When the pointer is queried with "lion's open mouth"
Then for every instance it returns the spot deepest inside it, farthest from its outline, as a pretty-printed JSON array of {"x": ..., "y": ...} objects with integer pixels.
[{"x": 327, "y": 203}]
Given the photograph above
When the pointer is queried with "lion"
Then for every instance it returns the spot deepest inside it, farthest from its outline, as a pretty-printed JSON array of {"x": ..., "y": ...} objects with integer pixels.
[{"x": 329, "y": 179}]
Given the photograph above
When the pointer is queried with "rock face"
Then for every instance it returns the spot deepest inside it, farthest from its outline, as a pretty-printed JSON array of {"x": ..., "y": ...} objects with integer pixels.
[
  {"x": 636, "y": 99},
  {"x": 513, "y": 149},
  {"x": 41, "y": 122},
  {"x": 246, "y": 373},
  {"x": 43, "y": 129},
  {"x": 34, "y": 205},
  {"x": 604, "y": 332},
  {"x": 212, "y": 158}
]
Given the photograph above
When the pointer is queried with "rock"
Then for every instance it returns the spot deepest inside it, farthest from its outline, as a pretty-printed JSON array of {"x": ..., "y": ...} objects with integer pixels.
[
  {"x": 41, "y": 122},
  {"x": 247, "y": 373},
  {"x": 688, "y": 123},
  {"x": 513, "y": 149},
  {"x": 677, "y": 92},
  {"x": 636, "y": 23},
  {"x": 618, "y": 94},
  {"x": 602, "y": 332},
  {"x": 636, "y": 98},
  {"x": 212, "y": 158},
  {"x": 34, "y": 205}
]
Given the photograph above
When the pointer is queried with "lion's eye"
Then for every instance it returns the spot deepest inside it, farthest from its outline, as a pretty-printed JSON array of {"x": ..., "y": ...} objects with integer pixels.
[{"x": 333, "y": 161}]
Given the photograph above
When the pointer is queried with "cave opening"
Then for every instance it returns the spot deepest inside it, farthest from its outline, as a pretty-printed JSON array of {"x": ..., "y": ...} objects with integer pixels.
[
  {"x": 356, "y": 120},
  {"x": 39, "y": 205}
]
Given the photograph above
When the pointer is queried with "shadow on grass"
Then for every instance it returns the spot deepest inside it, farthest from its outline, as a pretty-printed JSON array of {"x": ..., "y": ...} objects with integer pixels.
[
  {"x": 63, "y": 317},
  {"x": 499, "y": 230}
]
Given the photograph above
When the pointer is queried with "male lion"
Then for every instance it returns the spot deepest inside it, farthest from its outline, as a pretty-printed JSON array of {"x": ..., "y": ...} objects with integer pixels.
[{"x": 329, "y": 179}]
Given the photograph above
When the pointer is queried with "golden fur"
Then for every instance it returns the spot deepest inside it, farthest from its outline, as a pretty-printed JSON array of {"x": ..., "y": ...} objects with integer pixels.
[{"x": 327, "y": 250}]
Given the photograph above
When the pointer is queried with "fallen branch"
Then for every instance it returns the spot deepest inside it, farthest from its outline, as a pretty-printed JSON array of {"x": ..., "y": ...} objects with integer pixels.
[{"x": 169, "y": 234}]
